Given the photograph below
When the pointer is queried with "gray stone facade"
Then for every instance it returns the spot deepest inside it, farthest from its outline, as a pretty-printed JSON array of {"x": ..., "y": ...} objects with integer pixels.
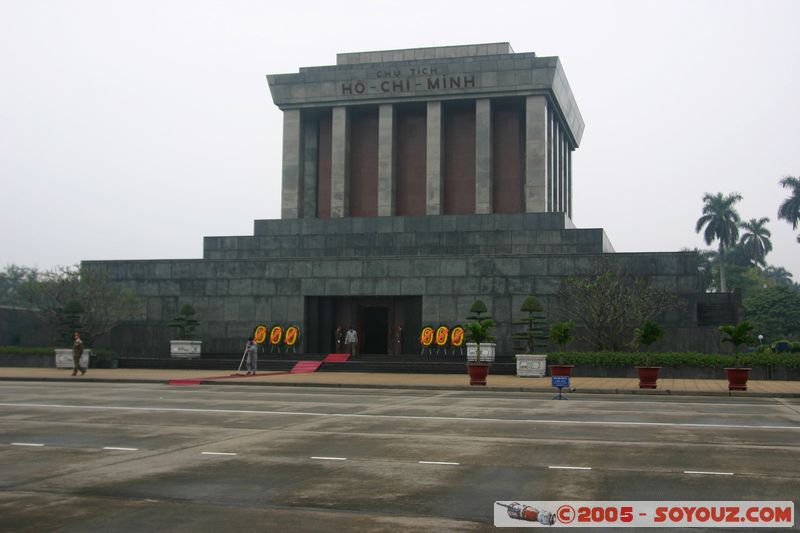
[{"x": 448, "y": 261}]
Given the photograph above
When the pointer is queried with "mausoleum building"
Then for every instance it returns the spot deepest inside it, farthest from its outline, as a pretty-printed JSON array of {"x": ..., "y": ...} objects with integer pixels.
[{"x": 413, "y": 182}]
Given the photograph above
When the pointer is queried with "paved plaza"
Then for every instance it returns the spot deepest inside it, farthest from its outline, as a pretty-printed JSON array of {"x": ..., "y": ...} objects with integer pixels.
[{"x": 90, "y": 456}]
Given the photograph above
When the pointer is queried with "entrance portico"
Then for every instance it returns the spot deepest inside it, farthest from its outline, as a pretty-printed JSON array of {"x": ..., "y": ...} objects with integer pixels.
[{"x": 375, "y": 318}]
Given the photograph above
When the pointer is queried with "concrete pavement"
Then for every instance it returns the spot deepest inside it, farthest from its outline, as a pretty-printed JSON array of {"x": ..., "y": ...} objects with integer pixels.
[
  {"x": 787, "y": 389},
  {"x": 148, "y": 456}
]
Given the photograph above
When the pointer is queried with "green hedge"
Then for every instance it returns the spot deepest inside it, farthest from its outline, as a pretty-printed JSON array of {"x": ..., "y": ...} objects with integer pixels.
[
  {"x": 44, "y": 350},
  {"x": 618, "y": 359}
]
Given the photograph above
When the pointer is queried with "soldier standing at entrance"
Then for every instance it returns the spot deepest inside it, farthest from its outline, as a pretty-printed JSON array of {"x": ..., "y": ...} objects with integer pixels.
[
  {"x": 338, "y": 336},
  {"x": 351, "y": 339},
  {"x": 398, "y": 341}
]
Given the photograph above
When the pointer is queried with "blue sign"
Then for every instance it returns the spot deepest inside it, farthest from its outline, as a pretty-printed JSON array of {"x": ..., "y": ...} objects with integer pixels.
[{"x": 559, "y": 381}]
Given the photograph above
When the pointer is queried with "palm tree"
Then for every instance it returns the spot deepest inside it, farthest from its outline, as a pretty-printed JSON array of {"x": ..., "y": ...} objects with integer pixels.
[
  {"x": 721, "y": 223},
  {"x": 738, "y": 334},
  {"x": 755, "y": 240},
  {"x": 779, "y": 275},
  {"x": 790, "y": 208}
]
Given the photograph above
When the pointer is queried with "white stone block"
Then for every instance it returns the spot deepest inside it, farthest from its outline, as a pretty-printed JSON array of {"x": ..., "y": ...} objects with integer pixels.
[
  {"x": 487, "y": 352},
  {"x": 531, "y": 365},
  {"x": 185, "y": 349},
  {"x": 64, "y": 358}
]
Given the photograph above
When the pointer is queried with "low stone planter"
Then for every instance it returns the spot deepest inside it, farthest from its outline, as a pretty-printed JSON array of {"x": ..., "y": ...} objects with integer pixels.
[
  {"x": 487, "y": 352},
  {"x": 531, "y": 365},
  {"x": 64, "y": 358},
  {"x": 185, "y": 349}
]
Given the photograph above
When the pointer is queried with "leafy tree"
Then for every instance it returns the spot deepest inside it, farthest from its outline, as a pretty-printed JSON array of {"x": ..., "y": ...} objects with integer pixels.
[
  {"x": 477, "y": 309},
  {"x": 789, "y": 210},
  {"x": 608, "y": 303},
  {"x": 737, "y": 335},
  {"x": 534, "y": 324},
  {"x": 774, "y": 311},
  {"x": 70, "y": 320},
  {"x": 779, "y": 275},
  {"x": 561, "y": 333},
  {"x": 185, "y": 323},
  {"x": 721, "y": 223},
  {"x": 755, "y": 241},
  {"x": 77, "y": 298},
  {"x": 646, "y": 334},
  {"x": 479, "y": 329},
  {"x": 12, "y": 280}
]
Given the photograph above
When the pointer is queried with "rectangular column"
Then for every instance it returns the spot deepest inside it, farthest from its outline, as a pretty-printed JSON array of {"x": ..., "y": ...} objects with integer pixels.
[
  {"x": 551, "y": 166},
  {"x": 536, "y": 155},
  {"x": 569, "y": 182},
  {"x": 310, "y": 172},
  {"x": 291, "y": 186},
  {"x": 340, "y": 163},
  {"x": 559, "y": 169},
  {"x": 564, "y": 166},
  {"x": 386, "y": 177},
  {"x": 483, "y": 156},
  {"x": 433, "y": 168}
]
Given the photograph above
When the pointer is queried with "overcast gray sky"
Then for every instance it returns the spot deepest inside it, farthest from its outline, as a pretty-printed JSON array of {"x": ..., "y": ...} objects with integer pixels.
[{"x": 130, "y": 130}]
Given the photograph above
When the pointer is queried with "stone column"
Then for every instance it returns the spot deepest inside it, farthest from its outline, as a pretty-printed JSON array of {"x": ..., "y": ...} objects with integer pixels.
[
  {"x": 386, "y": 178},
  {"x": 310, "y": 158},
  {"x": 564, "y": 171},
  {"x": 569, "y": 182},
  {"x": 559, "y": 169},
  {"x": 551, "y": 164},
  {"x": 483, "y": 156},
  {"x": 340, "y": 163},
  {"x": 291, "y": 186},
  {"x": 433, "y": 168},
  {"x": 537, "y": 126}
]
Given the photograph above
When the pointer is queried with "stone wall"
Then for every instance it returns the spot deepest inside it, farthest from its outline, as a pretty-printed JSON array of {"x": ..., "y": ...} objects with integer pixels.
[{"x": 448, "y": 260}]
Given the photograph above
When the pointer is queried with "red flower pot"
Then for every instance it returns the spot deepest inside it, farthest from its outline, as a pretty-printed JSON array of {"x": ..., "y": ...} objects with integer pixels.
[
  {"x": 648, "y": 376},
  {"x": 561, "y": 370},
  {"x": 737, "y": 378},
  {"x": 477, "y": 373}
]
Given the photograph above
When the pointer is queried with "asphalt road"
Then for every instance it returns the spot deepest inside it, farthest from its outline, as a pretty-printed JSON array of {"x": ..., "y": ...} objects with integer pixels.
[{"x": 116, "y": 457}]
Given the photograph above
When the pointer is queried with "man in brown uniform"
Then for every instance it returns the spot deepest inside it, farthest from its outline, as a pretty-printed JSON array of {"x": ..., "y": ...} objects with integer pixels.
[{"x": 77, "y": 352}]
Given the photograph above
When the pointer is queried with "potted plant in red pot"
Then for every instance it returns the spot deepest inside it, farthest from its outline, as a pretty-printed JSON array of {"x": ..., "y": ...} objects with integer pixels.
[
  {"x": 737, "y": 335},
  {"x": 561, "y": 333},
  {"x": 647, "y": 334},
  {"x": 480, "y": 349}
]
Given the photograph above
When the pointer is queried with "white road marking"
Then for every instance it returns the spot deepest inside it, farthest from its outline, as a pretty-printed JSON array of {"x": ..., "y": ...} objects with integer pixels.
[
  {"x": 570, "y": 467},
  {"x": 437, "y": 463},
  {"x": 120, "y": 449},
  {"x": 402, "y": 417},
  {"x": 36, "y": 445},
  {"x": 708, "y": 473},
  {"x": 218, "y": 453},
  {"x": 330, "y": 458}
]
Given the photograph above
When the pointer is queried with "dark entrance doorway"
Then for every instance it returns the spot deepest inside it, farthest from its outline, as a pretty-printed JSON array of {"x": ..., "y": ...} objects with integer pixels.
[
  {"x": 385, "y": 324},
  {"x": 374, "y": 322}
]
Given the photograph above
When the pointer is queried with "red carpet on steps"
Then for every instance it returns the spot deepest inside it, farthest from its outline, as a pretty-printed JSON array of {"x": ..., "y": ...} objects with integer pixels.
[
  {"x": 336, "y": 358},
  {"x": 311, "y": 366},
  {"x": 305, "y": 366}
]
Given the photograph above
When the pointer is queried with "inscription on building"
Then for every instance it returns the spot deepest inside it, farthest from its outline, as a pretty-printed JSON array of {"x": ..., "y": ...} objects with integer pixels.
[{"x": 425, "y": 79}]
